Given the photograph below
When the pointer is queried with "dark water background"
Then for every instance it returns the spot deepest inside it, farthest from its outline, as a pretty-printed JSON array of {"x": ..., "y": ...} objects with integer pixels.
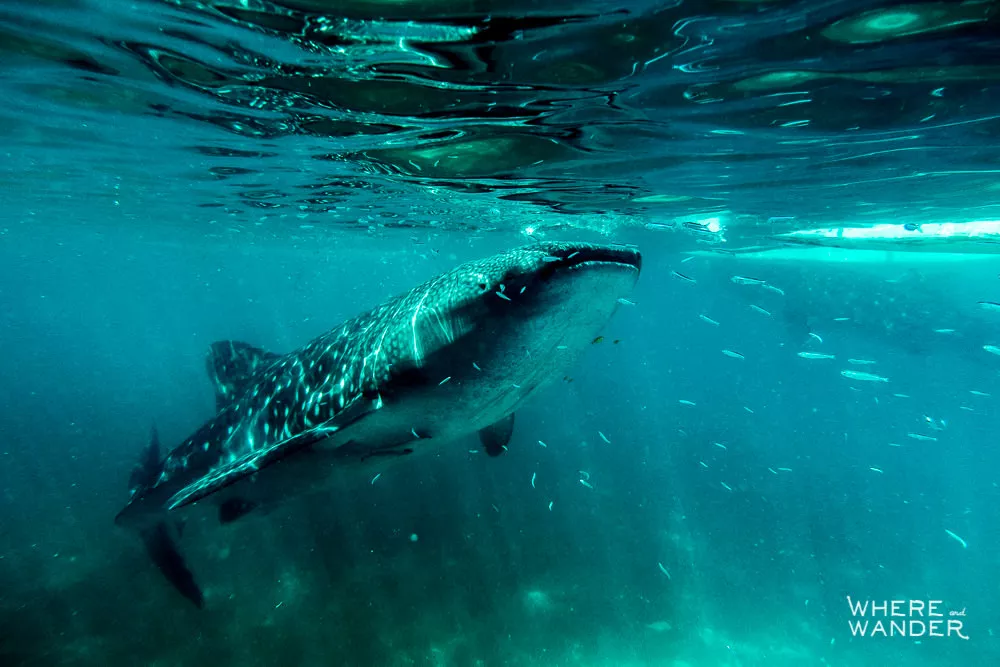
[{"x": 176, "y": 173}]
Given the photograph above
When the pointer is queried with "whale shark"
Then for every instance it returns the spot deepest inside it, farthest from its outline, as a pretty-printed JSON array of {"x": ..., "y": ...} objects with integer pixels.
[{"x": 449, "y": 359}]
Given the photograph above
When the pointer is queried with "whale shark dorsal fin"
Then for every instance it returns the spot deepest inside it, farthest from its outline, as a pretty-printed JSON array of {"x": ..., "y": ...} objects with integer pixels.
[
  {"x": 146, "y": 471},
  {"x": 496, "y": 436},
  {"x": 231, "y": 365}
]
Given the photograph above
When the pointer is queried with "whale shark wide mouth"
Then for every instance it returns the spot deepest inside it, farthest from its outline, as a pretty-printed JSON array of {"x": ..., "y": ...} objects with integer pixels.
[{"x": 586, "y": 255}]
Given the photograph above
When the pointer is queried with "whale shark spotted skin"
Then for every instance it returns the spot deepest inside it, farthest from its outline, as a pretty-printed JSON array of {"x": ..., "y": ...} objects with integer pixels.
[{"x": 450, "y": 358}]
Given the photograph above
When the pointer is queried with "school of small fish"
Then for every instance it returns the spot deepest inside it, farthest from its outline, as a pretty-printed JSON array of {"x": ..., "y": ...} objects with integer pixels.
[{"x": 864, "y": 373}]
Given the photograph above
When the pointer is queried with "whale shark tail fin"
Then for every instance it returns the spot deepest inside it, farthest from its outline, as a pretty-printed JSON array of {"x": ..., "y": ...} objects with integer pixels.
[
  {"x": 159, "y": 537},
  {"x": 162, "y": 549},
  {"x": 231, "y": 365}
]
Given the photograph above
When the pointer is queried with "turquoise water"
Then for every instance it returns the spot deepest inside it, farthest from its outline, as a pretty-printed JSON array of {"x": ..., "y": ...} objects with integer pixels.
[{"x": 770, "y": 424}]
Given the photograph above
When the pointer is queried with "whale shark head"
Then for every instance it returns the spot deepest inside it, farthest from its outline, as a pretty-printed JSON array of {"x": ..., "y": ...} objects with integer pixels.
[
  {"x": 557, "y": 279},
  {"x": 550, "y": 294},
  {"x": 499, "y": 327},
  {"x": 540, "y": 298}
]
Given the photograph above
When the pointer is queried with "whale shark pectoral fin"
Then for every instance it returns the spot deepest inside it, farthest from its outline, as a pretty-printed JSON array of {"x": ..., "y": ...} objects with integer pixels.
[
  {"x": 231, "y": 365},
  {"x": 496, "y": 436}
]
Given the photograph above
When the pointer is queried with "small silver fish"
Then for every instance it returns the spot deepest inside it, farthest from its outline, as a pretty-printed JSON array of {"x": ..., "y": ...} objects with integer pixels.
[
  {"x": 864, "y": 377},
  {"x": 957, "y": 538},
  {"x": 678, "y": 274},
  {"x": 816, "y": 355}
]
